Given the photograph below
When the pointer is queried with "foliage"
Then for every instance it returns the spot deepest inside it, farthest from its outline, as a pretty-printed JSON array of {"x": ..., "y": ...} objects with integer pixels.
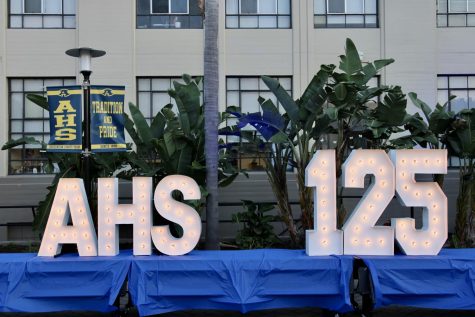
[
  {"x": 335, "y": 103},
  {"x": 174, "y": 141},
  {"x": 257, "y": 230}
]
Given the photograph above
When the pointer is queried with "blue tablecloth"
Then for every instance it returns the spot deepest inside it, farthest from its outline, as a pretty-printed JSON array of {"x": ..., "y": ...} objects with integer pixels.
[
  {"x": 446, "y": 281},
  {"x": 68, "y": 282},
  {"x": 240, "y": 280}
]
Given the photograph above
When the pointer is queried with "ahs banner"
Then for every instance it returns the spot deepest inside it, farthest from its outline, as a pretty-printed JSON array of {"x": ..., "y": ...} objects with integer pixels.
[
  {"x": 65, "y": 119},
  {"x": 107, "y": 118}
]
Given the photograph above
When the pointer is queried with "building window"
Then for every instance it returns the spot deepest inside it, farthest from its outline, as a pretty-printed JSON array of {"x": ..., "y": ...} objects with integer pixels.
[
  {"x": 258, "y": 14},
  {"x": 169, "y": 14},
  {"x": 452, "y": 13},
  {"x": 42, "y": 14},
  {"x": 152, "y": 94},
  {"x": 463, "y": 88},
  {"x": 29, "y": 120},
  {"x": 345, "y": 13},
  {"x": 243, "y": 92}
]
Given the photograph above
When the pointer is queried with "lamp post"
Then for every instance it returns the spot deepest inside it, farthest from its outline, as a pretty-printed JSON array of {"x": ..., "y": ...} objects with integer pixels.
[{"x": 85, "y": 54}]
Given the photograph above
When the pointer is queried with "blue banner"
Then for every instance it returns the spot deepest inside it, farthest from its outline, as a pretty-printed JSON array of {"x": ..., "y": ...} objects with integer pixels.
[
  {"x": 107, "y": 119},
  {"x": 65, "y": 119}
]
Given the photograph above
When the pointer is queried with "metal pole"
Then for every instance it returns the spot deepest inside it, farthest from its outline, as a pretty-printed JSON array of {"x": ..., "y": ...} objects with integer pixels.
[{"x": 86, "y": 157}]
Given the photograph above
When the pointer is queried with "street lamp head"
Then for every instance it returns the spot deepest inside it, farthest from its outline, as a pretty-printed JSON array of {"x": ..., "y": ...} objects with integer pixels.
[{"x": 85, "y": 54}]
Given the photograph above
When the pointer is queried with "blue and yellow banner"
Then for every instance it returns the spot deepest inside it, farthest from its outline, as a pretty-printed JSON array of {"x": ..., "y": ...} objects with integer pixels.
[
  {"x": 107, "y": 119},
  {"x": 65, "y": 119}
]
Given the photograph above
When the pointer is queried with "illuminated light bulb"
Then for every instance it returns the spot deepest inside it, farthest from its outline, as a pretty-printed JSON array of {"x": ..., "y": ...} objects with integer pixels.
[
  {"x": 381, "y": 170},
  {"x": 406, "y": 187},
  {"x": 83, "y": 222},
  {"x": 417, "y": 194},
  {"x": 179, "y": 212},
  {"x": 364, "y": 217},
  {"x": 80, "y": 210},
  {"x": 438, "y": 161},
  {"x": 143, "y": 233},
  {"x": 161, "y": 231},
  {"x": 403, "y": 161},
  {"x": 108, "y": 220},
  {"x": 360, "y": 162},
  {"x": 426, "y": 161},
  {"x": 142, "y": 185},
  {"x": 143, "y": 245},
  {"x": 171, "y": 184},
  {"x": 429, "y": 194},
  {"x": 324, "y": 189},
  {"x": 324, "y": 215},
  {"x": 142, "y": 196},
  {"x": 78, "y": 198},
  {"x": 378, "y": 195},
  {"x": 109, "y": 234},
  {"x": 131, "y": 214},
  {"x": 119, "y": 214},
  {"x": 324, "y": 242},
  {"x": 404, "y": 236},
  {"x": 85, "y": 235},
  {"x": 383, "y": 184},
  {"x": 63, "y": 198},
  {"x": 185, "y": 244},
  {"x": 371, "y": 206},
  {"x": 108, "y": 208},
  {"x": 108, "y": 197},
  {"x": 189, "y": 220},
  {"x": 192, "y": 233},
  {"x": 163, "y": 194},
  {"x": 53, "y": 236},
  {"x": 50, "y": 248},
  {"x": 173, "y": 245},
  {"x": 163, "y": 241},
  {"x": 368, "y": 241},
  {"x": 402, "y": 225},
  {"x": 427, "y": 243},
  {"x": 434, "y": 206},
  {"x": 381, "y": 241},
  {"x": 352, "y": 181},
  {"x": 403, "y": 174},
  {"x": 324, "y": 163},
  {"x": 314, "y": 172},
  {"x": 324, "y": 228},
  {"x": 108, "y": 246},
  {"x": 142, "y": 220},
  {"x": 434, "y": 233},
  {"x": 56, "y": 223},
  {"x": 357, "y": 228},
  {"x": 414, "y": 243},
  {"x": 64, "y": 234},
  {"x": 89, "y": 248},
  {"x": 191, "y": 193},
  {"x": 355, "y": 241},
  {"x": 67, "y": 187},
  {"x": 59, "y": 211},
  {"x": 435, "y": 219},
  {"x": 143, "y": 208},
  {"x": 371, "y": 162},
  {"x": 323, "y": 203},
  {"x": 324, "y": 174},
  {"x": 414, "y": 161}
]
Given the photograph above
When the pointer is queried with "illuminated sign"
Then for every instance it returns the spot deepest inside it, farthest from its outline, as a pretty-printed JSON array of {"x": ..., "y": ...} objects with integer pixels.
[{"x": 393, "y": 174}]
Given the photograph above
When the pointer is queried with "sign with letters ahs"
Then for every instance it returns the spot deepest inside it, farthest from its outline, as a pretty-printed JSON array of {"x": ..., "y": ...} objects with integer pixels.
[{"x": 65, "y": 119}]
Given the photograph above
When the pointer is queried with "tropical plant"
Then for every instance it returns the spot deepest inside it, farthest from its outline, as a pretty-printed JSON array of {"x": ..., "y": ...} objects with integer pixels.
[
  {"x": 461, "y": 143},
  {"x": 338, "y": 103},
  {"x": 257, "y": 230},
  {"x": 211, "y": 91},
  {"x": 174, "y": 142}
]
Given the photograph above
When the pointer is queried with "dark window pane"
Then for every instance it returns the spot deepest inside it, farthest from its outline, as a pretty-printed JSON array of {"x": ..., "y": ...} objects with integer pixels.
[
  {"x": 160, "y": 6},
  {"x": 195, "y": 7},
  {"x": 32, "y": 6},
  {"x": 179, "y": 6},
  {"x": 143, "y": 6},
  {"x": 143, "y": 22},
  {"x": 196, "y": 22},
  {"x": 336, "y": 6},
  {"x": 161, "y": 21},
  {"x": 249, "y": 6}
]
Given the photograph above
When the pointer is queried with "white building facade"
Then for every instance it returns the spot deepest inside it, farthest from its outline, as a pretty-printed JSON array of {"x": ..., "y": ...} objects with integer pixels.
[{"x": 151, "y": 42}]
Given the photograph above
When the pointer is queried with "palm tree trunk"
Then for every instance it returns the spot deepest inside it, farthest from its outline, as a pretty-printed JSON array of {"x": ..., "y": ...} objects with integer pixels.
[{"x": 211, "y": 92}]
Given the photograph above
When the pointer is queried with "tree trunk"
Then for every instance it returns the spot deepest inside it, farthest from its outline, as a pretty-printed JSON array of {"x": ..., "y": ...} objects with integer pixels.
[{"x": 211, "y": 92}]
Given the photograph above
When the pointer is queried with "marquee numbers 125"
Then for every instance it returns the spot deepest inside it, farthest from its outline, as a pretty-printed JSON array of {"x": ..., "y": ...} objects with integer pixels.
[{"x": 360, "y": 236}]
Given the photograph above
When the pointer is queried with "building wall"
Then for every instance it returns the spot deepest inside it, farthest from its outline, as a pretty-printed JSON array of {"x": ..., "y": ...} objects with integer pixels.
[{"x": 407, "y": 33}]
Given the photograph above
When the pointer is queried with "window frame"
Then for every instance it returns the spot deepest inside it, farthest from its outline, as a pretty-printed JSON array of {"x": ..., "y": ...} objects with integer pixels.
[
  {"x": 257, "y": 15},
  {"x": 170, "y": 8},
  {"x": 42, "y": 15},
  {"x": 346, "y": 25},
  {"x": 445, "y": 16}
]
